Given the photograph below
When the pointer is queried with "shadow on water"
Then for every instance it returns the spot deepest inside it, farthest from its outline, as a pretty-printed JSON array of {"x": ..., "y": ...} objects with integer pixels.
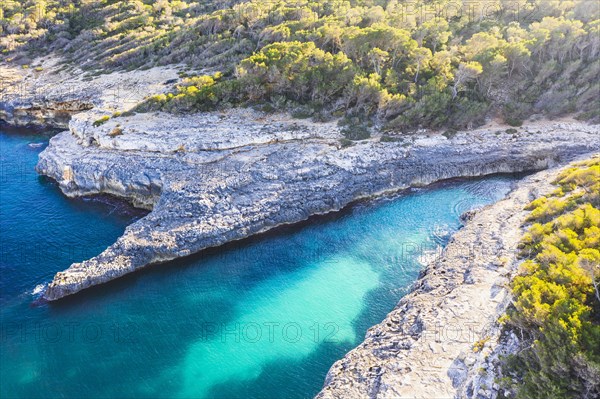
[{"x": 311, "y": 368}]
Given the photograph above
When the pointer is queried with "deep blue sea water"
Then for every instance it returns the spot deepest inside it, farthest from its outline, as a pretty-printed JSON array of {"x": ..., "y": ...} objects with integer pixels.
[{"x": 263, "y": 318}]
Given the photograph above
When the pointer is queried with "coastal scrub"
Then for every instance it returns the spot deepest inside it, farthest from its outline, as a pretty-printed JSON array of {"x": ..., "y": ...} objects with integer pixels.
[{"x": 557, "y": 294}]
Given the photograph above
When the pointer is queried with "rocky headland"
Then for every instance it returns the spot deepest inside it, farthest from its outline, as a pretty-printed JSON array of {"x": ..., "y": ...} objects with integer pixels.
[{"x": 212, "y": 178}]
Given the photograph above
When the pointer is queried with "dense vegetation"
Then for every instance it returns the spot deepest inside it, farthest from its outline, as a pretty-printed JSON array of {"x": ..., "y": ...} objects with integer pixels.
[
  {"x": 557, "y": 296},
  {"x": 404, "y": 64}
]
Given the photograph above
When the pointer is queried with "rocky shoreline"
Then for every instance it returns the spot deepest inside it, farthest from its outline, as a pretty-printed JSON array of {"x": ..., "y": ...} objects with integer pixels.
[
  {"x": 212, "y": 178},
  {"x": 443, "y": 339}
]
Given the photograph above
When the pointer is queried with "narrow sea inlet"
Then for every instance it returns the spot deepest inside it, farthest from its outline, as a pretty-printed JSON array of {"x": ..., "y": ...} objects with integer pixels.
[{"x": 263, "y": 318}]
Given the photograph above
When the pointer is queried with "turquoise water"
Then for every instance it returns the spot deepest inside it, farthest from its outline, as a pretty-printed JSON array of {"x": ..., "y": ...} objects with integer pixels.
[{"x": 264, "y": 318}]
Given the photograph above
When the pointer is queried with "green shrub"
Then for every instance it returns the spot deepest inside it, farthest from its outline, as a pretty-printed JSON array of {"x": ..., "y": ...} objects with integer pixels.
[
  {"x": 356, "y": 132},
  {"x": 101, "y": 121},
  {"x": 515, "y": 113},
  {"x": 302, "y": 113},
  {"x": 389, "y": 139},
  {"x": 431, "y": 110},
  {"x": 516, "y": 122},
  {"x": 346, "y": 143},
  {"x": 322, "y": 116},
  {"x": 450, "y": 133},
  {"x": 267, "y": 107}
]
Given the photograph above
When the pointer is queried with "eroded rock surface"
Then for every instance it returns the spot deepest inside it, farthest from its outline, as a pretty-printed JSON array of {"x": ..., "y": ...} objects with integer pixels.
[{"x": 50, "y": 95}]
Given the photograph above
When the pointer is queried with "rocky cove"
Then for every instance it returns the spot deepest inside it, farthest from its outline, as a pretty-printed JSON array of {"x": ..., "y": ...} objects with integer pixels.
[{"x": 213, "y": 178}]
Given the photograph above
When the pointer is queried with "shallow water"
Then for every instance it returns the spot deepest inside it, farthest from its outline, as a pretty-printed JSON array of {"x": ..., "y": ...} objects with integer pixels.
[{"x": 263, "y": 318}]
